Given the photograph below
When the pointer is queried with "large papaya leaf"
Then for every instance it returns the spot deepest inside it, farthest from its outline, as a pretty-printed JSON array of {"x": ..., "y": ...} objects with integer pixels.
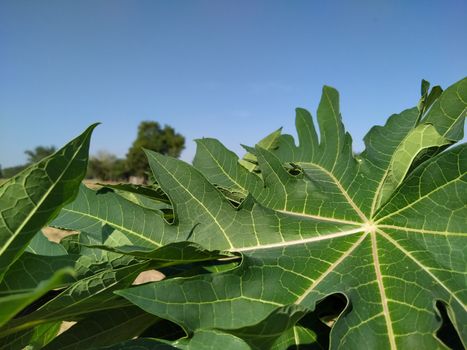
[
  {"x": 35, "y": 196},
  {"x": 388, "y": 235}
]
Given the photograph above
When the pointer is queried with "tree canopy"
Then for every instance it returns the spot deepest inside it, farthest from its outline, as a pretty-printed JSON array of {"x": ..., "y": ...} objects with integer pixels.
[
  {"x": 151, "y": 136},
  {"x": 39, "y": 153},
  {"x": 106, "y": 166}
]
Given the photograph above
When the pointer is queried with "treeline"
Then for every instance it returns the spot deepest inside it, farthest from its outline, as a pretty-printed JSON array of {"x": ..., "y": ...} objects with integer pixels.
[
  {"x": 106, "y": 166},
  {"x": 33, "y": 156}
]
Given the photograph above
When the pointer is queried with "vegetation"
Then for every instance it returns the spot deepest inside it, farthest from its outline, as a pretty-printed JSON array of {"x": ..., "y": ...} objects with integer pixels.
[
  {"x": 152, "y": 137},
  {"x": 39, "y": 153},
  {"x": 292, "y": 246},
  {"x": 106, "y": 166},
  {"x": 34, "y": 156}
]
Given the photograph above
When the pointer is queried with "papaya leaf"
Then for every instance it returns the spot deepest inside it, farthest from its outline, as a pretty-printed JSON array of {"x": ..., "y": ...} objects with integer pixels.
[
  {"x": 170, "y": 254},
  {"x": 29, "y": 200},
  {"x": 31, "y": 339},
  {"x": 104, "y": 328},
  {"x": 141, "y": 344},
  {"x": 90, "y": 294},
  {"x": 42, "y": 246},
  {"x": 386, "y": 229},
  {"x": 12, "y": 303}
]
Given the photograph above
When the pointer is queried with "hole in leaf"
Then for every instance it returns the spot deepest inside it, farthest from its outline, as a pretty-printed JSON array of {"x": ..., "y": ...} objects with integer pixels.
[
  {"x": 56, "y": 235},
  {"x": 235, "y": 198},
  {"x": 321, "y": 321},
  {"x": 294, "y": 169},
  {"x": 316, "y": 329},
  {"x": 330, "y": 308},
  {"x": 221, "y": 266},
  {"x": 447, "y": 333},
  {"x": 148, "y": 276},
  {"x": 104, "y": 190},
  {"x": 168, "y": 215}
]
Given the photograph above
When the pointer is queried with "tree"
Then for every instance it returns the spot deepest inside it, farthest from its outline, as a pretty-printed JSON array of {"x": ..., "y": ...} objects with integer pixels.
[
  {"x": 12, "y": 171},
  {"x": 151, "y": 136},
  {"x": 39, "y": 153},
  {"x": 34, "y": 156},
  {"x": 106, "y": 166}
]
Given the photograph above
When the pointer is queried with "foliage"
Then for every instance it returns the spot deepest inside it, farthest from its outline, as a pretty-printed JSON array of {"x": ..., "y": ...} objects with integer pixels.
[
  {"x": 152, "y": 137},
  {"x": 107, "y": 167},
  {"x": 292, "y": 246},
  {"x": 12, "y": 171},
  {"x": 34, "y": 156},
  {"x": 39, "y": 153}
]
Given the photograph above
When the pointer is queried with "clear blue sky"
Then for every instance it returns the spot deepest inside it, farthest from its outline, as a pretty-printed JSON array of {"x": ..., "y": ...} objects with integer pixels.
[{"x": 233, "y": 70}]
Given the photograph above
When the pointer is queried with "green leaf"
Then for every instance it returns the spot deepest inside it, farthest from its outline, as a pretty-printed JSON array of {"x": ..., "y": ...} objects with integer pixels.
[
  {"x": 31, "y": 339},
  {"x": 265, "y": 334},
  {"x": 422, "y": 139},
  {"x": 152, "y": 192},
  {"x": 151, "y": 197},
  {"x": 90, "y": 294},
  {"x": 214, "y": 339},
  {"x": 170, "y": 254},
  {"x": 316, "y": 225},
  {"x": 428, "y": 97},
  {"x": 33, "y": 197},
  {"x": 448, "y": 112},
  {"x": 104, "y": 328},
  {"x": 92, "y": 210},
  {"x": 42, "y": 246},
  {"x": 141, "y": 344},
  {"x": 249, "y": 160},
  {"x": 11, "y": 304},
  {"x": 30, "y": 269},
  {"x": 195, "y": 219}
]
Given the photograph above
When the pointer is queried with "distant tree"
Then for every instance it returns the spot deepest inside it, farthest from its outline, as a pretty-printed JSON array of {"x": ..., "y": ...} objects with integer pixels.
[
  {"x": 152, "y": 136},
  {"x": 1, "y": 172},
  {"x": 106, "y": 166},
  {"x": 119, "y": 170},
  {"x": 34, "y": 156},
  {"x": 39, "y": 153},
  {"x": 12, "y": 171}
]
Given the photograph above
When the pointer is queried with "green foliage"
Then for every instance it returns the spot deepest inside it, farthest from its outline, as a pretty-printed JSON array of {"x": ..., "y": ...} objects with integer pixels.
[
  {"x": 304, "y": 245},
  {"x": 107, "y": 167},
  {"x": 34, "y": 156},
  {"x": 39, "y": 153},
  {"x": 152, "y": 137},
  {"x": 12, "y": 171}
]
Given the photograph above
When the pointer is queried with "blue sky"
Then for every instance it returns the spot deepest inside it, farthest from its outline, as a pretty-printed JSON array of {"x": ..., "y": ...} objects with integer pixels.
[{"x": 233, "y": 70}]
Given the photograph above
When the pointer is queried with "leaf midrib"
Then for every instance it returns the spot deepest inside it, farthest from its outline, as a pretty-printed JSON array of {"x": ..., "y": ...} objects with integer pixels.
[
  {"x": 382, "y": 291},
  {"x": 300, "y": 241}
]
